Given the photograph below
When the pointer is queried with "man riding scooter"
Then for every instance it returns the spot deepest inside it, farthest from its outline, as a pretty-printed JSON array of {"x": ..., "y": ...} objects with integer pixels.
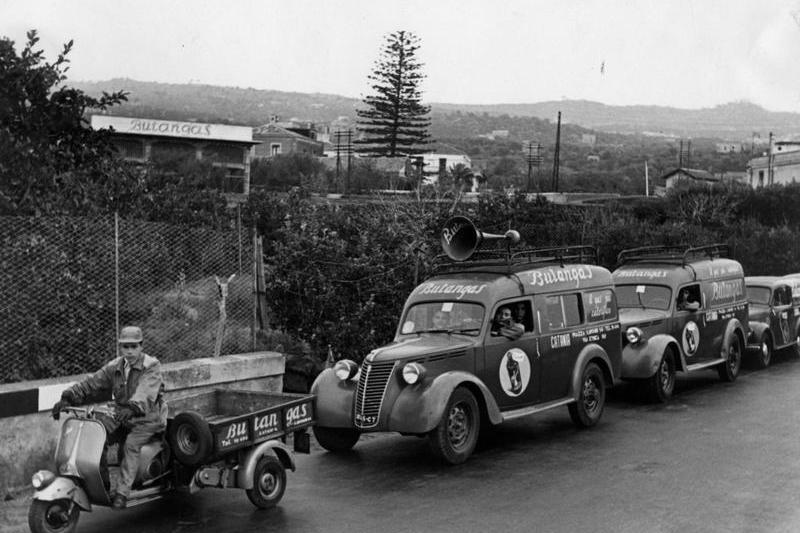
[{"x": 140, "y": 412}]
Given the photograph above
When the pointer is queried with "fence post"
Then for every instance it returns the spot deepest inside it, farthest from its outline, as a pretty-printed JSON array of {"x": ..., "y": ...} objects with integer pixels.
[
  {"x": 116, "y": 279},
  {"x": 222, "y": 287}
]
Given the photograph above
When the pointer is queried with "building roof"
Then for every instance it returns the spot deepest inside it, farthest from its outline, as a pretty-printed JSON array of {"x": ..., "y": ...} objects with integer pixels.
[
  {"x": 778, "y": 160},
  {"x": 693, "y": 173},
  {"x": 272, "y": 130}
]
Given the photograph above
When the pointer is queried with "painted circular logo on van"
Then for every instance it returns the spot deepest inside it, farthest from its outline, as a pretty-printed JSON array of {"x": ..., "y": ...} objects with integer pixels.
[
  {"x": 690, "y": 338},
  {"x": 515, "y": 372}
]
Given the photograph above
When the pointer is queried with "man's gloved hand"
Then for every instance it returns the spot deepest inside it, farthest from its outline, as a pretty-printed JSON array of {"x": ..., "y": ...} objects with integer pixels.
[
  {"x": 125, "y": 412},
  {"x": 67, "y": 399}
]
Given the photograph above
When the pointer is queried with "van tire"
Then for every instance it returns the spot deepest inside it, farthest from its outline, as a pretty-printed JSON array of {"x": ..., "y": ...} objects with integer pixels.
[
  {"x": 729, "y": 369},
  {"x": 190, "y": 438},
  {"x": 336, "y": 439},
  {"x": 765, "y": 349},
  {"x": 455, "y": 437},
  {"x": 588, "y": 408},
  {"x": 661, "y": 385}
]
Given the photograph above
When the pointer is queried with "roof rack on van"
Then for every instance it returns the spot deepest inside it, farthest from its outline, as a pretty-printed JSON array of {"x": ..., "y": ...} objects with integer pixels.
[
  {"x": 505, "y": 262},
  {"x": 673, "y": 254}
]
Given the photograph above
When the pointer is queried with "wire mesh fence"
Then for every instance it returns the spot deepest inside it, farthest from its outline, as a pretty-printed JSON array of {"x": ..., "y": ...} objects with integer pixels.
[{"x": 68, "y": 284}]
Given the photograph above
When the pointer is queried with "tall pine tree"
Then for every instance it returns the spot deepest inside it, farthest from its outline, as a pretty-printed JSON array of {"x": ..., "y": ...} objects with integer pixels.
[{"x": 394, "y": 121}]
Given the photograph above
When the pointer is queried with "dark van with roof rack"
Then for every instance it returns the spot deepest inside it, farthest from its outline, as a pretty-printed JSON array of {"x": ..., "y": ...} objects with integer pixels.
[
  {"x": 682, "y": 309},
  {"x": 491, "y": 336}
]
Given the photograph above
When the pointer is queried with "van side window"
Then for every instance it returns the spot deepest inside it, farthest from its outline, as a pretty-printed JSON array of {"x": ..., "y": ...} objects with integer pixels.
[
  {"x": 572, "y": 309},
  {"x": 782, "y": 296},
  {"x": 561, "y": 311},
  {"x": 599, "y": 305},
  {"x": 521, "y": 313}
]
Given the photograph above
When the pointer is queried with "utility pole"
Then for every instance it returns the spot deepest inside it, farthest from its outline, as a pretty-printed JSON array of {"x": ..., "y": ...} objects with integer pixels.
[
  {"x": 533, "y": 155},
  {"x": 337, "y": 135},
  {"x": 349, "y": 149},
  {"x": 557, "y": 154},
  {"x": 770, "y": 161}
]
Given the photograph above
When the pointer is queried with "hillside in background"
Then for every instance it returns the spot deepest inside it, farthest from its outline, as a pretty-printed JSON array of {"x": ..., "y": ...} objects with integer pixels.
[{"x": 734, "y": 121}]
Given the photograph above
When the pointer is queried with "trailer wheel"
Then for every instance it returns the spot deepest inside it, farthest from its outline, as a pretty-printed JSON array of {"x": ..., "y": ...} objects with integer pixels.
[
  {"x": 269, "y": 483},
  {"x": 190, "y": 438},
  {"x": 53, "y": 517}
]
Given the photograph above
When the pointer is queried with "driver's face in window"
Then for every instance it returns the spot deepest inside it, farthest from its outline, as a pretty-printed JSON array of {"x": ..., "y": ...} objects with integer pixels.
[{"x": 440, "y": 320}]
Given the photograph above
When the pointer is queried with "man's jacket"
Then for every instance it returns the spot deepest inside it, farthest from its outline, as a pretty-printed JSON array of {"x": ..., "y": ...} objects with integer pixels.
[{"x": 143, "y": 389}]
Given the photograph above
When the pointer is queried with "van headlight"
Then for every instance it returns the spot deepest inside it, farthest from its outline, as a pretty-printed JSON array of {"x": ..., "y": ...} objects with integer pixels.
[
  {"x": 634, "y": 335},
  {"x": 413, "y": 373},
  {"x": 41, "y": 479},
  {"x": 345, "y": 369}
]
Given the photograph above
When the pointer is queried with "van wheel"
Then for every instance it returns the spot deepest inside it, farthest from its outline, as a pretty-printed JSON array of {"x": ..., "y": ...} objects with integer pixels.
[
  {"x": 660, "y": 386},
  {"x": 764, "y": 355},
  {"x": 53, "y": 517},
  {"x": 729, "y": 369},
  {"x": 456, "y": 435},
  {"x": 190, "y": 438},
  {"x": 795, "y": 349},
  {"x": 586, "y": 412},
  {"x": 269, "y": 483},
  {"x": 336, "y": 439}
]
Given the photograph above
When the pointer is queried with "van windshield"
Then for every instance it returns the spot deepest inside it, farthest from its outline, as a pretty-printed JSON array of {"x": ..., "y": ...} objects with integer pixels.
[
  {"x": 644, "y": 296},
  {"x": 758, "y": 295},
  {"x": 443, "y": 317}
]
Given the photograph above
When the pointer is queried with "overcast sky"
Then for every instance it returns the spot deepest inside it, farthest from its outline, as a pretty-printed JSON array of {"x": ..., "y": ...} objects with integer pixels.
[{"x": 681, "y": 53}]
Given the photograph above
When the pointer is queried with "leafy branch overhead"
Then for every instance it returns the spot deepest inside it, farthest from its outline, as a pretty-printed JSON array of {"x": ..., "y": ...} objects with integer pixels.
[{"x": 394, "y": 122}]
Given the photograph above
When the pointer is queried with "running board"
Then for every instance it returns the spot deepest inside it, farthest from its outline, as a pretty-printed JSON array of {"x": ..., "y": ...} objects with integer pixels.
[
  {"x": 525, "y": 411},
  {"x": 701, "y": 366}
]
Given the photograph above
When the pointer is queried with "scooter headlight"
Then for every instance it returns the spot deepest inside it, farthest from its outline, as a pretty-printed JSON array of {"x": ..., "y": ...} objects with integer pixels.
[
  {"x": 413, "y": 373},
  {"x": 634, "y": 335},
  {"x": 345, "y": 369},
  {"x": 41, "y": 479}
]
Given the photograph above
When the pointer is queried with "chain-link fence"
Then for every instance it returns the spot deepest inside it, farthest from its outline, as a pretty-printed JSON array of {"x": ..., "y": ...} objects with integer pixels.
[{"x": 67, "y": 284}]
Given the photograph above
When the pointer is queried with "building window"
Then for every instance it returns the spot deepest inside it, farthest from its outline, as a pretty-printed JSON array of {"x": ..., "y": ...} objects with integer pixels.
[{"x": 275, "y": 148}]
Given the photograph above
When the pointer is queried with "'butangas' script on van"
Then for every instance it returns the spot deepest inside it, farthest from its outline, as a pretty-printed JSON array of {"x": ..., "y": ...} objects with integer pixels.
[
  {"x": 727, "y": 290},
  {"x": 549, "y": 276},
  {"x": 450, "y": 288}
]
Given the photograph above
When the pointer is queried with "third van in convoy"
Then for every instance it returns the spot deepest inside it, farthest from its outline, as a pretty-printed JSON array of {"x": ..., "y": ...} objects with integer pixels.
[{"x": 681, "y": 309}]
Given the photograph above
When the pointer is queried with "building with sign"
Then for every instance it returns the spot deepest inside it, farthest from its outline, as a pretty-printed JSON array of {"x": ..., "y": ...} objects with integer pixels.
[{"x": 227, "y": 147}]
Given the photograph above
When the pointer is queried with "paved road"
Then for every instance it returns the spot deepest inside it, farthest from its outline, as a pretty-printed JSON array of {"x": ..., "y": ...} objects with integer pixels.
[{"x": 719, "y": 458}]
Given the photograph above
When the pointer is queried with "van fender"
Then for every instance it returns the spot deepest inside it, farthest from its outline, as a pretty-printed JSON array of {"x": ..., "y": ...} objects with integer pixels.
[
  {"x": 333, "y": 400},
  {"x": 64, "y": 488},
  {"x": 419, "y": 408},
  {"x": 641, "y": 360},
  {"x": 734, "y": 327},
  {"x": 757, "y": 330},
  {"x": 244, "y": 477},
  {"x": 589, "y": 353}
]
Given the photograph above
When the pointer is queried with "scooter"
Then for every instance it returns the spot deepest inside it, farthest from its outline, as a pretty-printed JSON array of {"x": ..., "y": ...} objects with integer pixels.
[
  {"x": 80, "y": 480},
  {"x": 238, "y": 443}
]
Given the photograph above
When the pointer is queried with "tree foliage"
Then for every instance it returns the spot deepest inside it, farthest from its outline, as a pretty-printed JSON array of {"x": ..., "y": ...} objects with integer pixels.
[
  {"x": 394, "y": 121},
  {"x": 50, "y": 161}
]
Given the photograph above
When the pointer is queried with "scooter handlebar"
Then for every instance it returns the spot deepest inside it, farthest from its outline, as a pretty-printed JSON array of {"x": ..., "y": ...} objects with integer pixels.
[{"x": 89, "y": 411}]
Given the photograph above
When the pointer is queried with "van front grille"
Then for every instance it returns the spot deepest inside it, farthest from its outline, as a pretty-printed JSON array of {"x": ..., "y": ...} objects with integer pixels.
[{"x": 370, "y": 391}]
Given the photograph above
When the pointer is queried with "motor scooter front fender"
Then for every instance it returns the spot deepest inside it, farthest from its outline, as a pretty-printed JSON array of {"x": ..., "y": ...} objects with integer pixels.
[{"x": 64, "y": 488}]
